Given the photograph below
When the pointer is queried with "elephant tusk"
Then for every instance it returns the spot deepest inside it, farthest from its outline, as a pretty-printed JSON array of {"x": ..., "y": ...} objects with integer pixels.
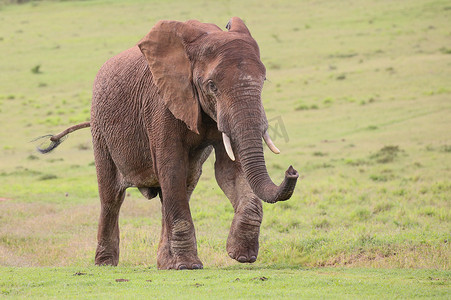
[
  {"x": 270, "y": 143},
  {"x": 228, "y": 146}
]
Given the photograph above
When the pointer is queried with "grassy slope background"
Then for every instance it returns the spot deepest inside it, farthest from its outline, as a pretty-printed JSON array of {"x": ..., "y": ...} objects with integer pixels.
[{"x": 362, "y": 88}]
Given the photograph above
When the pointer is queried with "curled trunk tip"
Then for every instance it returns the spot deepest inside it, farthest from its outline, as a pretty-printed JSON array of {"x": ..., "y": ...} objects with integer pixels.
[
  {"x": 286, "y": 188},
  {"x": 291, "y": 172}
]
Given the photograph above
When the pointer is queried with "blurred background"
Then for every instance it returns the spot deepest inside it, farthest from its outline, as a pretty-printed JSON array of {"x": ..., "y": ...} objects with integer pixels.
[{"x": 359, "y": 101}]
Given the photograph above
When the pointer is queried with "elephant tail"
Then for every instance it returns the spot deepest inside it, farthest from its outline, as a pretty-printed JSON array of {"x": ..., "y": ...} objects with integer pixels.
[{"x": 57, "y": 139}]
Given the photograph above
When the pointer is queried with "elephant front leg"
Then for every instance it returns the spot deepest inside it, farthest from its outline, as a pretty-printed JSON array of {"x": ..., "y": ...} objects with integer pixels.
[
  {"x": 177, "y": 248},
  {"x": 242, "y": 243}
]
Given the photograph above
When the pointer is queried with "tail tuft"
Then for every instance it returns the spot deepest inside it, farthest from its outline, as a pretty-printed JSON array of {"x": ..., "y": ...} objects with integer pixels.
[{"x": 44, "y": 147}]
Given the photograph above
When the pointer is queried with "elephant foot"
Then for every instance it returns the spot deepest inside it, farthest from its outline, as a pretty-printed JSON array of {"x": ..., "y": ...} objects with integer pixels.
[
  {"x": 106, "y": 261},
  {"x": 242, "y": 243},
  {"x": 180, "y": 253},
  {"x": 181, "y": 262},
  {"x": 242, "y": 252},
  {"x": 105, "y": 257}
]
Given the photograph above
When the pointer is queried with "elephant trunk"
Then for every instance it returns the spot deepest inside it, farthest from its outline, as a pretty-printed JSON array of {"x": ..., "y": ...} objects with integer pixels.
[{"x": 249, "y": 147}]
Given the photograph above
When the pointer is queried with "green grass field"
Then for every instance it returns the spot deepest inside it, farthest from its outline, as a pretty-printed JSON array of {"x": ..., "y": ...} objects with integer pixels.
[
  {"x": 230, "y": 283},
  {"x": 363, "y": 91}
]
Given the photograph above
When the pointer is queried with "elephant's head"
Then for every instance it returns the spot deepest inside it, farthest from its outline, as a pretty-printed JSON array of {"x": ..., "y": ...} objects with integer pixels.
[{"x": 197, "y": 66}]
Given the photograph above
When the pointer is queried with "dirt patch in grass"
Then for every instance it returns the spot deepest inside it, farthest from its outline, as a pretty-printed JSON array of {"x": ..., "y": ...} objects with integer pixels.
[
  {"x": 415, "y": 256},
  {"x": 386, "y": 154}
]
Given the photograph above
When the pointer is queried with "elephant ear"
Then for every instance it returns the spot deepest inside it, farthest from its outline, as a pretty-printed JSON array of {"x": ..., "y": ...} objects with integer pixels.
[
  {"x": 164, "y": 48},
  {"x": 235, "y": 24}
]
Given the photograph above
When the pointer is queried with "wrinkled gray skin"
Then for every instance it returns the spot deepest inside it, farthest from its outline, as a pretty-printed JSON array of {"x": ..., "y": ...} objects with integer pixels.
[{"x": 158, "y": 111}]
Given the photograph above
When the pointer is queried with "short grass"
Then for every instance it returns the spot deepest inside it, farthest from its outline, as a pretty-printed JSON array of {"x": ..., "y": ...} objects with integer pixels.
[
  {"x": 122, "y": 282},
  {"x": 358, "y": 100}
]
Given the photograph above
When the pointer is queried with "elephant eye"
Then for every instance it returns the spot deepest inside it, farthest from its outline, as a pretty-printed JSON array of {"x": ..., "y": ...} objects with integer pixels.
[{"x": 212, "y": 86}]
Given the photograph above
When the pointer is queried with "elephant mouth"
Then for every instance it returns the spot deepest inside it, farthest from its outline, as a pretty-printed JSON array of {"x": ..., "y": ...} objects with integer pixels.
[{"x": 229, "y": 149}]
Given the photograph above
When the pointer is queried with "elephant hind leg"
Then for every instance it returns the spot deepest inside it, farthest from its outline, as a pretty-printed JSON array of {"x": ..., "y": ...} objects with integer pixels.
[
  {"x": 112, "y": 194},
  {"x": 107, "y": 252}
]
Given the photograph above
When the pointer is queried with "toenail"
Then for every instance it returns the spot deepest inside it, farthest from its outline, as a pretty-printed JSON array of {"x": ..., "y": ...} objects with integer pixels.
[{"x": 242, "y": 259}]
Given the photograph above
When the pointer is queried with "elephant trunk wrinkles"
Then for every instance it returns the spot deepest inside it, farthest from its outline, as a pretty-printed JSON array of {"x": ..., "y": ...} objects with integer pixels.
[{"x": 249, "y": 147}]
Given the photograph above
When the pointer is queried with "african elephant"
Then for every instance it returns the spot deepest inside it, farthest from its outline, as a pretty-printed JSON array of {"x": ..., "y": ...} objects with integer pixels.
[{"x": 158, "y": 111}]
